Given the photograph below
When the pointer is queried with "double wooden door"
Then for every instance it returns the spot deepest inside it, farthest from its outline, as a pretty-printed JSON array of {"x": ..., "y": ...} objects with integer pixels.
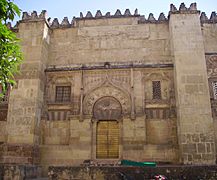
[{"x": 107, "y": 145}]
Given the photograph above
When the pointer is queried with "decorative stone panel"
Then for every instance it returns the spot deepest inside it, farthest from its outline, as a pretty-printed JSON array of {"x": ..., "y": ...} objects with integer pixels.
[
  {"x": 107, "y": 108},
  {"x": 107, "y": 90}
]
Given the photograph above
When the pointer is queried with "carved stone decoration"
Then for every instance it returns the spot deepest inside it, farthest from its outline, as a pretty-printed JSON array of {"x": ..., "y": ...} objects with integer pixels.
[
  {"x": 106, "y": 90},
  {"x": 211, "y": 64},
  {"x": 107, "y": 108}
]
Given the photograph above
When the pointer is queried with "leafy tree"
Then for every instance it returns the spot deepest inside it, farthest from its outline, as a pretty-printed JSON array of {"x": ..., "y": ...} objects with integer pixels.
[{"x": 10, "y": 52}]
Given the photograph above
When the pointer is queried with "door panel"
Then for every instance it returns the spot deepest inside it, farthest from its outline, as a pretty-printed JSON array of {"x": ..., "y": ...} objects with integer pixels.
[{"x": 107, "y": 145}]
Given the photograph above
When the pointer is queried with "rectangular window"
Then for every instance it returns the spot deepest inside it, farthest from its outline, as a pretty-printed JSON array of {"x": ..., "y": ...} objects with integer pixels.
[
  {"x": 156, "y": 90},
  {"x": 214, "y": 87},
  {"x": 63, "y": 93}
]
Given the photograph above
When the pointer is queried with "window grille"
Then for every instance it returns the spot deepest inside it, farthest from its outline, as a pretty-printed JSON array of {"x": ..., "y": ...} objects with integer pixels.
[
  {"x": 214, "y": 86},
  {"x": 63, "y": 93},
  {"x": 156, "y": 90}
]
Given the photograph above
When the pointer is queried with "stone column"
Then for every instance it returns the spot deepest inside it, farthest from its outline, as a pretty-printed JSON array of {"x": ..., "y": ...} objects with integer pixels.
[
  {"x": 195, "y": 123},
  {"x": 26, "y": 100}
]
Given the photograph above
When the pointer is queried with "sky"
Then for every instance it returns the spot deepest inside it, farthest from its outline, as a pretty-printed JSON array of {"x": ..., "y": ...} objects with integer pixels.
[{"x": 62, "y": 8}]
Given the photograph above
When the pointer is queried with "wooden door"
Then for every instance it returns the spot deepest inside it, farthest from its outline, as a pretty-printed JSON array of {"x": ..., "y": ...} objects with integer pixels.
[{"x": 107, "y": 145}]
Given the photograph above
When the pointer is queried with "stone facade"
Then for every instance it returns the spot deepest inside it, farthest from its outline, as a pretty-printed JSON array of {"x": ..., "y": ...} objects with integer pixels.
[{"x": 156, "y": 79}]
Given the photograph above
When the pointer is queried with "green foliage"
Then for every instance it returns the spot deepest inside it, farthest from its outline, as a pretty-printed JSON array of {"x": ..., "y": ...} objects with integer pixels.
[{"x": 10, "y": 52}]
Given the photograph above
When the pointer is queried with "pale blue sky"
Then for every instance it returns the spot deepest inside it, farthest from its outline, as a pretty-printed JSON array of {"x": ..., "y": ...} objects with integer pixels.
[{"x": 70, "y": 8}]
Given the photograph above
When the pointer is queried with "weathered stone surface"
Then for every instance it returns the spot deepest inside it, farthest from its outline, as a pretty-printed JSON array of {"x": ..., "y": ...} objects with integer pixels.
[
  {"x": 190, "y": 120},
  {"x": 104, "y": 68},
  {"x": 20, "y": 172}
]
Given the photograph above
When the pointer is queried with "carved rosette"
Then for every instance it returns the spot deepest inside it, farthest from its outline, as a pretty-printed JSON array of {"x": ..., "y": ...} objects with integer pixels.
[
  {"x": 107, "y": 108},
  {"x": 91, "y": 98}
]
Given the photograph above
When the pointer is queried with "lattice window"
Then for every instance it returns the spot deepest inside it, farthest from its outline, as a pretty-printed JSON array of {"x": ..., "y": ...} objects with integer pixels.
[
  {"x": 156, "y": 90},
  {"x": 214, "y": 87},
  {"x": 63, "y": 93}
]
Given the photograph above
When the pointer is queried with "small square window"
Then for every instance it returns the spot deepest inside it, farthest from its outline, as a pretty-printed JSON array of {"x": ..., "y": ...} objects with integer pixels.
[
  {"x": 214, "y": 87},
  {"x": 156, "y": 90},
  {"x": 63, "y": 93}
]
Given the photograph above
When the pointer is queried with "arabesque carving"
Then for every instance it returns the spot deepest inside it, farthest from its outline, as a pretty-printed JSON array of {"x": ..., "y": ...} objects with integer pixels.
[
  {"x": 107, "y": 108},
  {"x": 211, "y": 64},
  {"x": 106, "y": 90}
]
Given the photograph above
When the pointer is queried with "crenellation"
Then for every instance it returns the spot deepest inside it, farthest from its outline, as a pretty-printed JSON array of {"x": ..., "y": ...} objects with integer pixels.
[
  {"x": 136, "y": 12},
  {"x": 34, "y": 15},
  {"x": 81, "y": 15},
  {"x": 25, "y": 16},
  {"x": 65, "y": 22},
  {"x": 98, "y": 14},
  {"x": 193, "y": 7},
  {"x": 55, "y": 23},
  {"x": 182, "y": 7},
  {"x": 127, "y": 12},
  {"x": 73, "y": 22},
  {"x": 108, "y": 14},
  {"x": 173, "y": 7},
  {"x": 213, "y": 16},
  {"x": 89, "y": 15},
  {"x": 203, "y": 17},
  {"x": 162, "y": 17},
  {"x": 43, "y": 14},
  {"x": 118, "y": 13},
  {"x": 151, "y": 18}
]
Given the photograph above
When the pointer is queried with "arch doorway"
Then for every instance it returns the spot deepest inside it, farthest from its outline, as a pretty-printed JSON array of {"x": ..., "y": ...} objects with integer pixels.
[{"x": 107, "y": 112}]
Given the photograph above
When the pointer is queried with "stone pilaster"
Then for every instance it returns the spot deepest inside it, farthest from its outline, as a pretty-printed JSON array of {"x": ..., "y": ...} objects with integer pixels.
[
  {"x": 195, "y": 123},
  {"x": 26, "y": 100}
]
